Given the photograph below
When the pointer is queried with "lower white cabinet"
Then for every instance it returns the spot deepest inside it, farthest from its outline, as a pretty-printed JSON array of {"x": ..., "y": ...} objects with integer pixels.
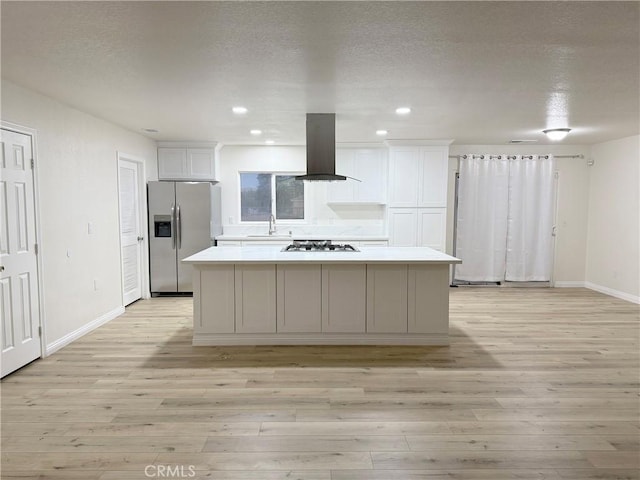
[
  {"x": 418, "y": 227},
  {"x": 299, "y": 298},
  {"x": 344, "y": 298},
  {"x": 432, "y": 228},
  {"x": 403, "y": 227},
  {"x": 387, "y": 298},
  {"x": 255, "y": 298}
]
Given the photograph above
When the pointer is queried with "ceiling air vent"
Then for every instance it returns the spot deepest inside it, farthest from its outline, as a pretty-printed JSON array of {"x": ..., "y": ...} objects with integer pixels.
[{"x": 523, "y": 141}]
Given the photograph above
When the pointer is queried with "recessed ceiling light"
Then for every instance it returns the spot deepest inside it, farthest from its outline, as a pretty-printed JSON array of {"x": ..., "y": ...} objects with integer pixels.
[
  {"x": 239, "y": 110},
  {"x": 255, "y": 131},
  {"x": 556, "y": 133},
  {"x": 150, "y": 130},
  {"x": 381, "y": 133},
  {"x": 269, "y": 142},
  {"x": 403, "y": 110}
]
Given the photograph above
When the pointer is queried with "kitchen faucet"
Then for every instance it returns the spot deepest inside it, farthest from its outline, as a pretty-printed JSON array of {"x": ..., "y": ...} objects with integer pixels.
[{"x": 272, "y": 224}]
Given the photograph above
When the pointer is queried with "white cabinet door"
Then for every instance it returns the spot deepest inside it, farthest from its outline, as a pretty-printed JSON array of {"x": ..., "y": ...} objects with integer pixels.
[
  {"x": 386, "y": 298},
  {"x": 344, "y": 298},
  {"x": 432, "y": 224},
  {"x": 373, "y": 243},
  {"x": 434, "y": 167},
  {"x": 201, "y": 164},
  {"x": 403, "y": 175},
  {"x": 370, "y": 170},
  {"x": 368, "y": 166},
  {"x": 343, "y": 191},
  {"x": 255, "y": 292},
  {"x": 188, "y": 164},
  {"x": 172, "y": 163},
  {"x": 403, "y": 227},
  {"x": 299, "y": 298}
]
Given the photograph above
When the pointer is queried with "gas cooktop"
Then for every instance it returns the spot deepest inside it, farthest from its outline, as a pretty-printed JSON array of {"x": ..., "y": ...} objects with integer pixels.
[{"x": 319, "y": 246}]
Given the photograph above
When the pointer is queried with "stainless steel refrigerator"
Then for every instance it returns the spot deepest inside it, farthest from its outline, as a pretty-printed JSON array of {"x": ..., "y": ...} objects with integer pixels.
[{"x": 184, "y": 217}]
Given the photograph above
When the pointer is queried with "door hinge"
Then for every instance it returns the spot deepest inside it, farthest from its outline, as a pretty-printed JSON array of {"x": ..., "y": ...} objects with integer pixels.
[
  {"x": 39, "y": 331},
  {"x": 35, "y": 248},
  {"x": 33, "y": 163}
]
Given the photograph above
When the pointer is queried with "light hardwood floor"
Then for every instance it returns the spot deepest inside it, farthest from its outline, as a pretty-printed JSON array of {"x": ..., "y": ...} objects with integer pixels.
[{"x": 536, "y": 384}]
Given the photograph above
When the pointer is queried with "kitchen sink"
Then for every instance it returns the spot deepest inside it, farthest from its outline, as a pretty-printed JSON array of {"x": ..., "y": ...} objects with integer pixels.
[{"x": 270, "y": 236}]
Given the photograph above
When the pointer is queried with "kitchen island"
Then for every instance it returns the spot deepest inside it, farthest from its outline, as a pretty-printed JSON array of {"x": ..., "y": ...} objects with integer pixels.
[{"x": 375, "y": 296}]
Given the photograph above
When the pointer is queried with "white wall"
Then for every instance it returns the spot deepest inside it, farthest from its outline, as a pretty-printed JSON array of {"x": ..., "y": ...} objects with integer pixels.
[
  {"x": 573, "y": 197},
  {"x": 77, "y": 184},
  {"x": 613, "y": 239},
  {"x": 319, "y": 215}
]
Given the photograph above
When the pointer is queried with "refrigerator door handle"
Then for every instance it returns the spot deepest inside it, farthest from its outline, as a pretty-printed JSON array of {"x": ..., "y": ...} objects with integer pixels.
[
  {"x": 179, "y": 229},
  {"x": 173, "y": 226}
]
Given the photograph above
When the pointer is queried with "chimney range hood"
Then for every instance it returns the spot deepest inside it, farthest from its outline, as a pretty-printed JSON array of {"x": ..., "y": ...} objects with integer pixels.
[{"x": 321, "y": 148}]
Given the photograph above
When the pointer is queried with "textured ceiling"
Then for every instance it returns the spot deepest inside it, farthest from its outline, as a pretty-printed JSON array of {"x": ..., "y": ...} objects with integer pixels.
[{"x": 476, "y": 72}]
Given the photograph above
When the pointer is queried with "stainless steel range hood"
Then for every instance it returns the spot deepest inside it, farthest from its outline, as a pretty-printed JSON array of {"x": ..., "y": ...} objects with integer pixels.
[{"x": 321, "y": 148}]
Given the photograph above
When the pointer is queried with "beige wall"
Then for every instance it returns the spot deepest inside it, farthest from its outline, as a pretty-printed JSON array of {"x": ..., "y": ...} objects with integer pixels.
[
  {"x": 613, "y": 239},
  {"x": 77, "y": 184},
  {"x": 572, "y": 200}
]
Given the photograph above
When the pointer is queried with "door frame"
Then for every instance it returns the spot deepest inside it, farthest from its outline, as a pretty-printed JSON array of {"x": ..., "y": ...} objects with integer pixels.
[
  {"x": 142, "y": 218},
  {"x": 32, "y": 133}
]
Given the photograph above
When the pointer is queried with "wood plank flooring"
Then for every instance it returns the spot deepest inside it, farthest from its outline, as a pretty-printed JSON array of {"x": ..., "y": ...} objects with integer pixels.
[{"x": 536, "y": 384}]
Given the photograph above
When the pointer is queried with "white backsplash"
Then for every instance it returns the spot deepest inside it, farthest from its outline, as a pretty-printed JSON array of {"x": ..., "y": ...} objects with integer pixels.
[{"x": 365, "y": 229}]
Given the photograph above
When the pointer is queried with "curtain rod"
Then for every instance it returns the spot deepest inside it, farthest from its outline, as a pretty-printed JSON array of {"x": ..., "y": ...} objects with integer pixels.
[{"x": 510, "y": 157}]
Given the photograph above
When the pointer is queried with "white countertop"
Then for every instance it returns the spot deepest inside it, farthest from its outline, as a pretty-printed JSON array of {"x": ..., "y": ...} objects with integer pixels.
[
  {"x": 275, "y": 255},
  {"x": 277, "y": 237}
]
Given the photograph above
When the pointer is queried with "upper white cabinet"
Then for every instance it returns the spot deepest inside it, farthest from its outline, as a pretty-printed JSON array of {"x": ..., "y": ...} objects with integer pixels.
[
  {"x": 418, "y": 176},
  {"x": 183, "y": 162},
  {"x": 365, "y": 164}
]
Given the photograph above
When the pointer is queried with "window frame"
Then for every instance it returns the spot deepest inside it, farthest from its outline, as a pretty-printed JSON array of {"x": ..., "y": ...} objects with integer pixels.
[{"x": 273, "y": 174}]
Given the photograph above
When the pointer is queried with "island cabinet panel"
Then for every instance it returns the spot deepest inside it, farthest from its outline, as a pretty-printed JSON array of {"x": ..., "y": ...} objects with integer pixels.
[
  {"x": 255, "y": 295},
  {"x": 428, "y": 299},
  {"x": 299, "y": 298},
  {"x": 387, "y": 298},
  {"x": 344, "y": 293},
  {"x": 214, "y": 299}
]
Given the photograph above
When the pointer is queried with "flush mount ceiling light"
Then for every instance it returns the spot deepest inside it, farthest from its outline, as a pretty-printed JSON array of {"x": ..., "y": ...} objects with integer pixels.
[
  {"x": 381, "y": 133},
  {"x": 556, "y": 133},
  {"x": 403, "y": 110},
  {"x": 269, "y": 142},
  {"x": 255, "y": 131},
  {"x": 239, "y": 110}
]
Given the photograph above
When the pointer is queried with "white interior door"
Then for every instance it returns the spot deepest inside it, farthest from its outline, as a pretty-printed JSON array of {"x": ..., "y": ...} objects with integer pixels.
[
  {"x": 19, "y": 295},
  {"x": 131, "y": 237}
]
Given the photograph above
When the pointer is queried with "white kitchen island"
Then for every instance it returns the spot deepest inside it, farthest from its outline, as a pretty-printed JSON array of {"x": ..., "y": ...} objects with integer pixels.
[{"x": 377, "y": 296}]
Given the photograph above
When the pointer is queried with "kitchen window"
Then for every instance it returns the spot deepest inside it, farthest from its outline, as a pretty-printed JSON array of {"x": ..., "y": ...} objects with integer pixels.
[{"x": 263, "y": 194}]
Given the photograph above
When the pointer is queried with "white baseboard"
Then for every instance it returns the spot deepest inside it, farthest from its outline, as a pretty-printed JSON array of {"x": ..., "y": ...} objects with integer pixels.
[
  {"x": 569, "y": 284},
  {"x": 614, "y": 293},
  {"x": 70, "y": 337}
]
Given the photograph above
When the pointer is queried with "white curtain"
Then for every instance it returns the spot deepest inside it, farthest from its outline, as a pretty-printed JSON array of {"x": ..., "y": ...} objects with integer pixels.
[
  {"x": 482, "y": 218},
  {"x": 505, "y": 218},
  {"x": 530, "y": 218}
]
